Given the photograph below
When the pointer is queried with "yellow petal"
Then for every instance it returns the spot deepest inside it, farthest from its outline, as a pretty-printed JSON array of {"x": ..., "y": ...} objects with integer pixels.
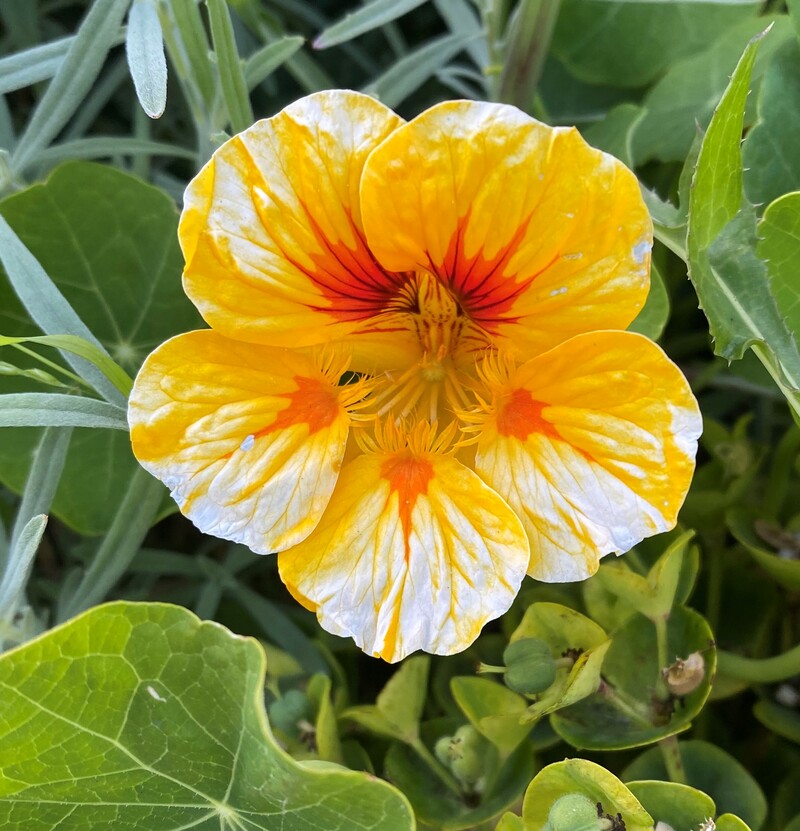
[
  {"x": 593, "y": 445},
  {"x": 271, "y": 229},
  {"x": 540, "y": 236},
  {"x": 248, "y": 438},
  {"x": 414, "y": 552}
]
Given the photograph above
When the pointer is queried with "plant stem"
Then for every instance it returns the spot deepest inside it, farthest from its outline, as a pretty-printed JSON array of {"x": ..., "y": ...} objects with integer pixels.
[
  {"x": 760, "y": 670},
  {"x": 662, "y": 640},
  {"x": 529, "y": 41},
  {"x": 671, "y": 752}
]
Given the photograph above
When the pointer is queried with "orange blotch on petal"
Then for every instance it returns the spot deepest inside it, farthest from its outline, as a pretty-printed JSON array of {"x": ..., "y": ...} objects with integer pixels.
[
  {"x": 408, "y": 477},
  {"x": 249, "y": 439},
  {"x": 413, "y": 552},
  {"x": 520, "y": 414}
]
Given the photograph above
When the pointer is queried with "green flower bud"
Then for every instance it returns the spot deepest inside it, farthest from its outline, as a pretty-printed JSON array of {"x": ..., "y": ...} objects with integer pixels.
[
  {"x": 469, "y": 737},
  {"x": 442, "y": 750},
  {"x": 468, "y": 766},
  {"x": 574, "y": 812},
  {"x": 288, "y": 711},
  {"x": 530, "y": 666}
]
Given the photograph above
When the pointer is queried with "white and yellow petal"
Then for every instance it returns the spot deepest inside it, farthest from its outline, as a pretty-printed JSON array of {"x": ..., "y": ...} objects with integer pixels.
[
  {"x": 539, "y": 236},
  {"x": 414, "y": 552},
  {"x": 271, "y": 228},
  {"x": 593, "y": 446},
  {"x": 248, "y": 438}
]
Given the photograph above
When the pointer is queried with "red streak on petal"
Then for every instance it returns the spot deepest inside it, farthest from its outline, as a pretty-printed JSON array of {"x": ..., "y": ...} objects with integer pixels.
[
  {"x": 350, "y": 279},
  {"x": 484, "y": 289},
  {"x": 409, "y": 477},
  {"x": 520, "y": 415}
]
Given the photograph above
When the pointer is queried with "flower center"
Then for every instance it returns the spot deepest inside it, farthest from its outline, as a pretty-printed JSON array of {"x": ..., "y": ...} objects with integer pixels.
[{"x": 434, "y": 384}]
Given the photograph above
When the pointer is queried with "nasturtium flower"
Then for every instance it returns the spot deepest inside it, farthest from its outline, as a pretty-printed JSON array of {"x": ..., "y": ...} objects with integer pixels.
[{"x": 417, "y": 385}]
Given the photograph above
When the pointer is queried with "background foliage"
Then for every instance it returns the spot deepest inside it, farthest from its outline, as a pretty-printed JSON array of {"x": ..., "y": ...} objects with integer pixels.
[{"x": 136, "y": 714}]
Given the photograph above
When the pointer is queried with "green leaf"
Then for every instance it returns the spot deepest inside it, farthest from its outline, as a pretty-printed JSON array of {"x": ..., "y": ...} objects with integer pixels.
[
  {"x": 143, "y": 716},
  {"x": 398, "y": 708},
  {"x": 32, "y": 65},
  {"x": 53, "y": 409},
  {"x": 681, "y": 807},
  {"x": 780, "y": 720},
  {"x": 84, "y": 349},
  {"x": 103, "y": 147},
  {"x": 406, "y": 75},
  {"x": 587, "y": 778},
  {"x": 493, "y": 710},
  {"x": 654, "y": 315},
  {"x": 144, "y": 46},
  {"x": 566, "y": 631},
  {"x": 443, "y": 809},
  {"x": 370, "y": 16},
  {"x": 629, "y": 44},
  {"x": 231, "y": 72},
  {"x": 265, "y": 61},
  {"x": 713, "y": 771},
  {"x": 688, "y": 92},
  {"x": 730, "y": 280},
  {"x": 625, "y": 712},
  {"x": 779, "y": 246},
  {"x": 770, "y": 151},
  {"x": 73, "y": 80},
  {"x": 109, "y": 243},
  {"x": 785, "y": 570},
  {"x": 614, "y": 133},
  {"x": 45, "y": 304},
  {"x": 40, "y": 487},
  {"x": 15, "y": 576}
]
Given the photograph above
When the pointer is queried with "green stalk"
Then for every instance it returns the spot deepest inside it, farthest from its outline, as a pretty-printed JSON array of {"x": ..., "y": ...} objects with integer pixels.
[
  {"x": 759, "y": 670},
  {"x": 671, "y": 753},
  {"x": 231, "y": 72},
  {"x": 533, "y": 24}
]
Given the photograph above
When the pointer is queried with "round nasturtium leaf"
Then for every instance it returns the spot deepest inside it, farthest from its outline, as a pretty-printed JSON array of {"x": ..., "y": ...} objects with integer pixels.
[
  {"x": 631, "y": 668},
  {"x": 579, "y": 776},
  {"x": 710, "y": 769},
  {"x": 140, "y": 716},
  {"x": 681, "y": 807}
]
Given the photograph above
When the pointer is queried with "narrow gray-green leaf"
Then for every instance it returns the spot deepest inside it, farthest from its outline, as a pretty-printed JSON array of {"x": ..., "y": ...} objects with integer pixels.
[
  {"x": 12, "y": 586},
  {"x": 75, "y": 76},
  {"x": 85, "y": 349},
  {"x": 136, "y": 514},
  {"x": 231, "y": 73},
  {"x": 49, "y": 308},
  {"x": 368, "y": 17},
  {"x": 43, "y": 478},
  {"x": 105, "y": 147},
  {"x": 265, "y": 61},
  {"x": 33, "y": 65},
  {"x": 462, "y": 19},
  {"x": 411, "y": 71},
  {"x": 53, "y": 409},
  {"x": 144, "y": 46}
]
